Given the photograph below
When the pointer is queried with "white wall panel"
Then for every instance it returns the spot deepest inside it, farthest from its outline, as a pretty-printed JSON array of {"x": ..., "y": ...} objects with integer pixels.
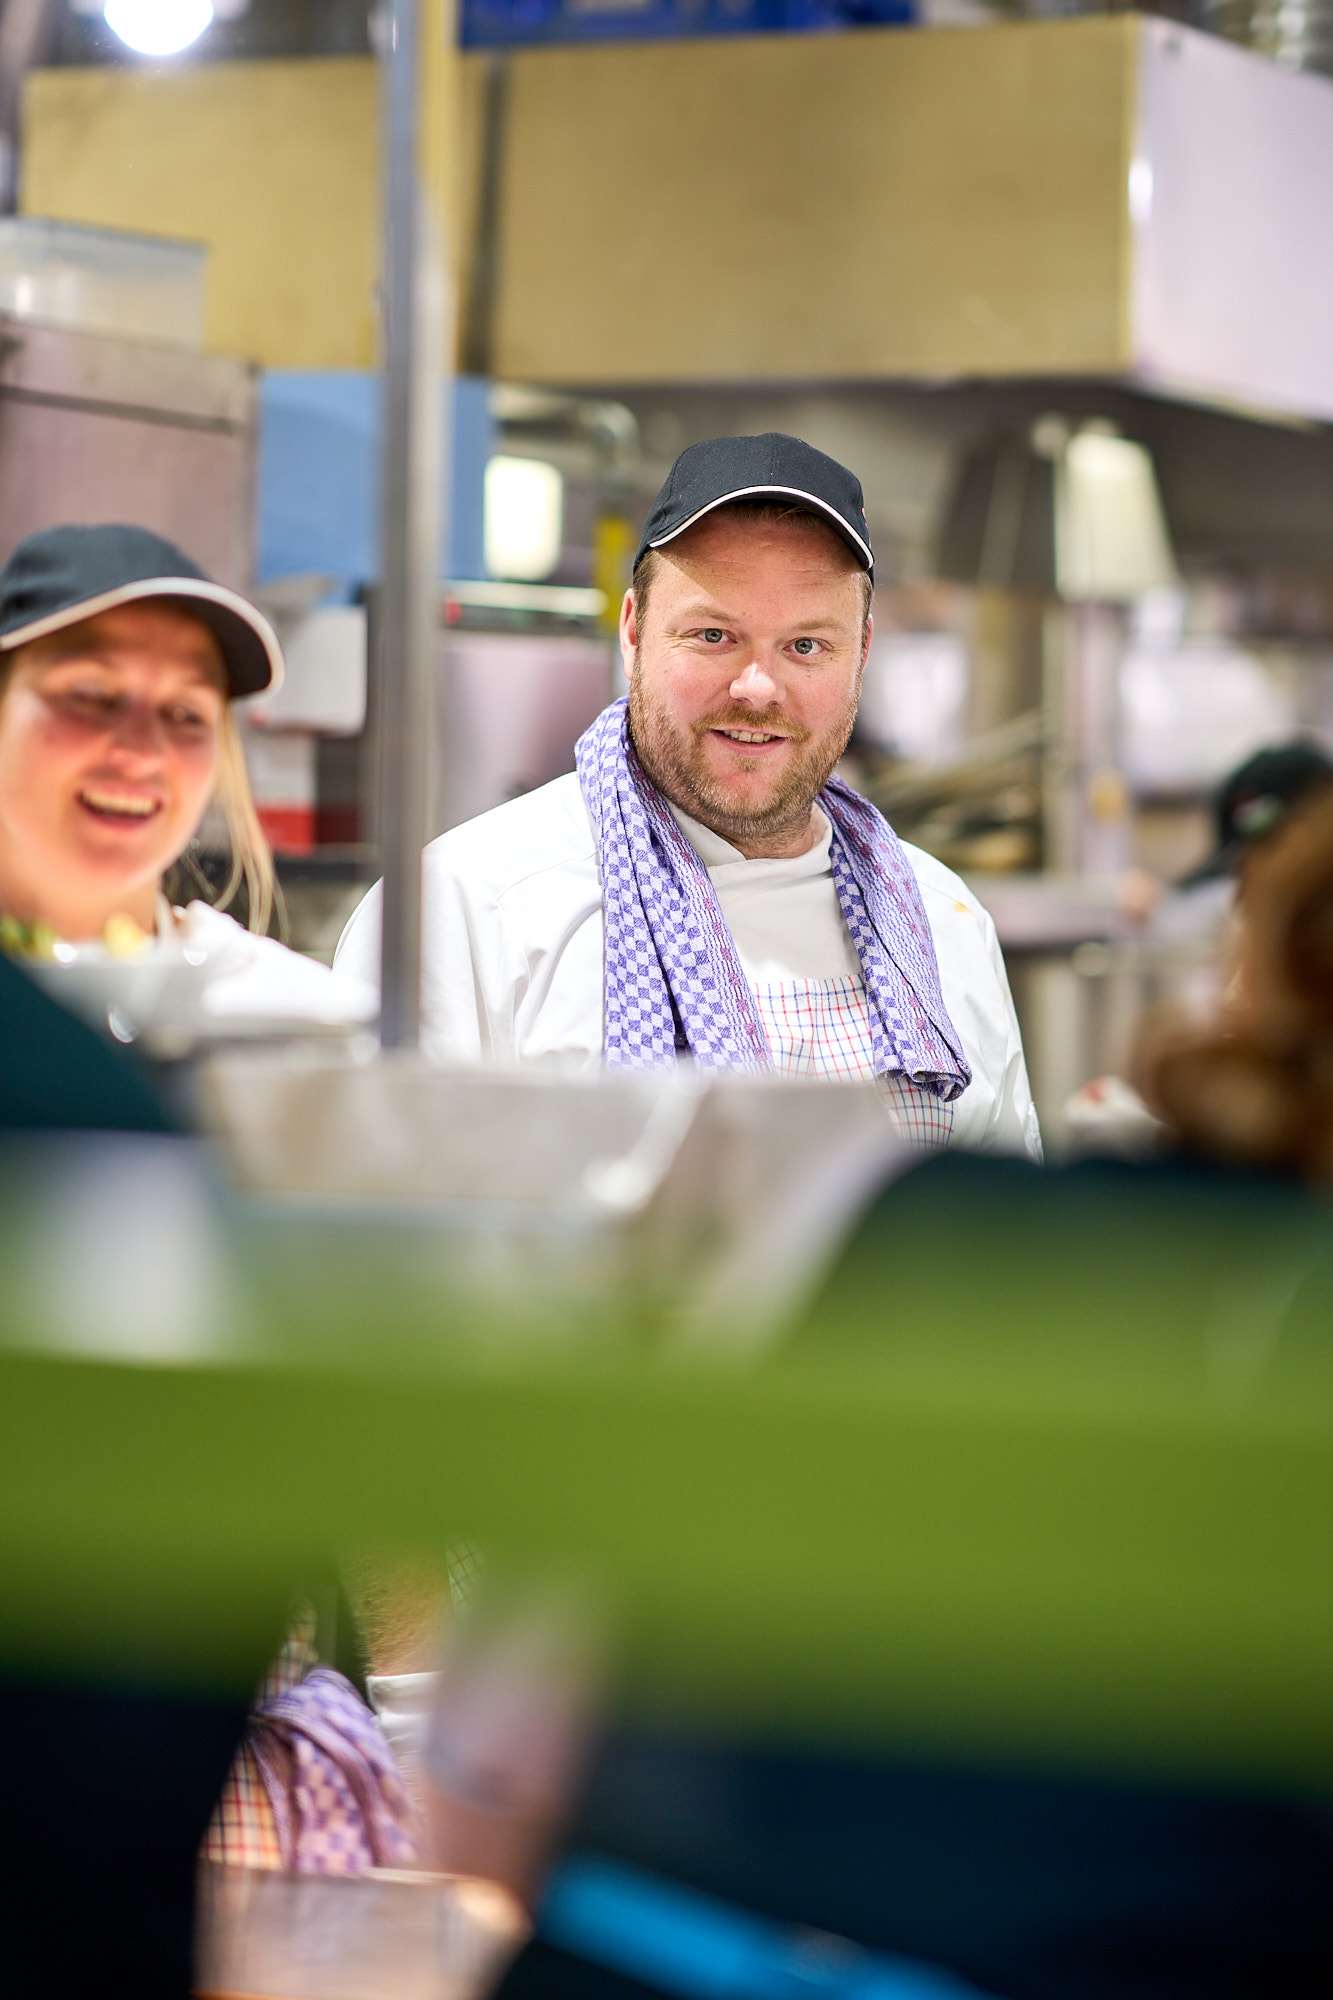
[{"x": 1231, "y": 198}]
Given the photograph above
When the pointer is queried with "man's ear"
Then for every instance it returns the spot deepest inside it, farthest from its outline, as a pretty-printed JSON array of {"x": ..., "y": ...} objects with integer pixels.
[
  {"x": 865, "y": 654},
  {"x": 629, "y": 634}
]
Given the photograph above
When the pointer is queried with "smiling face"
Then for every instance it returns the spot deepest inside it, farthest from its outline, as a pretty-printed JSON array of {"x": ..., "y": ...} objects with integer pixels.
[
  {"x": 108, "y": 754},
  {"x": 745, "y": 673}
]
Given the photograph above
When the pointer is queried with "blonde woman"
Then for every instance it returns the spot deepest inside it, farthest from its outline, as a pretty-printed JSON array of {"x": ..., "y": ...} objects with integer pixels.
[{"x": 120, "y": 664}]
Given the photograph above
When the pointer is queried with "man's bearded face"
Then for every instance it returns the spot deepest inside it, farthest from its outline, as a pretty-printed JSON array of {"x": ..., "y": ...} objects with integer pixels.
[{"x": 745, "y": 679}]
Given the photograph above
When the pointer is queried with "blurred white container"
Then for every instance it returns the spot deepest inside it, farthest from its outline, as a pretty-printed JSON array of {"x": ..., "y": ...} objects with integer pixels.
[
  {"x": 914, "y": 696},
  {"x": 1193, "y": 711},
  {"x": 325, "y": 685},
  {"x": 126, "y": 995},
  {"x": 103, "y": 280}
]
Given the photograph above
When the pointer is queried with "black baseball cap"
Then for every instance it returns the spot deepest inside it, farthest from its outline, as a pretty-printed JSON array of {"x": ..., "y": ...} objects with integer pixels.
[
  {"x": 771, "y": 467},
  {"x": 1256, "y": 798},
  {"x": 60, "y": 575}
]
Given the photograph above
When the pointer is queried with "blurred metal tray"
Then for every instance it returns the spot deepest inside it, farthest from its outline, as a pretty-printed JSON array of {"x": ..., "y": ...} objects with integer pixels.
[{"x": 543, "y": 1203}]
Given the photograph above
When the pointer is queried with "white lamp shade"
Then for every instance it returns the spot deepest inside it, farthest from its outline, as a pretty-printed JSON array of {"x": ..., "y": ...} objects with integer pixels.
[{"x": 1111, "y": 543}]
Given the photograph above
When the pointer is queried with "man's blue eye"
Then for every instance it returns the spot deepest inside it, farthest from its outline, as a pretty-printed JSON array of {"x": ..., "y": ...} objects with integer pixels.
[
  {"x": 713, "y": 633},
  {"x": 803, "y": 646}
]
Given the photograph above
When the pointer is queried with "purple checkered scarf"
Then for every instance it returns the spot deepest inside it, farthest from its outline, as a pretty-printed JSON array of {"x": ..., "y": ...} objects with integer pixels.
[
  {"x": 339, "y": 1801},
  {"x": 673, "y": 979}
]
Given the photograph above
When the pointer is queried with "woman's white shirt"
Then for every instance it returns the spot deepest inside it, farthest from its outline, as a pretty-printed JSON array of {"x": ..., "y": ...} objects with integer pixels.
[{"x": 249, "y": 978}]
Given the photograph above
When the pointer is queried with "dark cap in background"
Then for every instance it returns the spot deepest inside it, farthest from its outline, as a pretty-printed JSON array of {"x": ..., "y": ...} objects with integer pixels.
[
  {"x": 770, "y": 467},
  {"x": 1257, "y": 797},
  {"x": 61, "y": 575}
]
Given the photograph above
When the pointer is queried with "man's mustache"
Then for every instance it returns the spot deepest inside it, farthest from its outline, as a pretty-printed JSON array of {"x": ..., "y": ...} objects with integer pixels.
[{"x": 769, "y": 723}]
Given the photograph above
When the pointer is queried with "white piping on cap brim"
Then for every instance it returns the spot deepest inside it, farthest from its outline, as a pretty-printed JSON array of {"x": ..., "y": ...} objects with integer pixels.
[
  {"x": 753, "y": 493},
  {"x": 163, "y": 586}
]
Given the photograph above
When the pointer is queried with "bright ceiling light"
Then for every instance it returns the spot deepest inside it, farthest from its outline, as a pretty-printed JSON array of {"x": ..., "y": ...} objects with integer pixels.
[
  {"x": 524, "y": 518},
  {"x": 158, "y": 27}
]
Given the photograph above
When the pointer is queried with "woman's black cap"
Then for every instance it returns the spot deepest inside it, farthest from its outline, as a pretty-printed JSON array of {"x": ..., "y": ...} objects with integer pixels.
[
  {"x": 771, "y": 467},
  {"x": 61, "y": 575}
]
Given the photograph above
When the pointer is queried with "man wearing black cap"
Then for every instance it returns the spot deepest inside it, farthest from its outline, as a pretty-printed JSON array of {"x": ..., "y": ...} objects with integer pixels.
[{"x": 704, "y": 885}]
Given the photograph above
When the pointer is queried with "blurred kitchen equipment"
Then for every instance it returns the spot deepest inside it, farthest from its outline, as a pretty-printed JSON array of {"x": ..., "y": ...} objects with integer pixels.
[
  {"x": 511, "y": 707},
  {"x": 322, "y": 699},
  {"x": 980, "y": 809},
  {"x": 103, "y": 280},
  {"x": 914, "y": 696},
  {"x": 1071, "y": 513},
  {"x": 387, "y": 1935},
  {"x": 1298, "y": 36},
  {"x": 324, "y": 688},
  {"x": 97, "y": 427},
  {"x": 162, "y": 985},
  {"x": 175, "y": 998},
  {"x": 1074, "y": 515},
  {"x": 566, "y": 1207}
]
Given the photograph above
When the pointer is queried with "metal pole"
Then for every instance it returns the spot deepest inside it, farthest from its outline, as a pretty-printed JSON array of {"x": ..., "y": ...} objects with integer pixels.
[
  {"x": 23, "y": 32},
  {"x": 477, "y": 333},
  {"x": 412, "y": 509}
]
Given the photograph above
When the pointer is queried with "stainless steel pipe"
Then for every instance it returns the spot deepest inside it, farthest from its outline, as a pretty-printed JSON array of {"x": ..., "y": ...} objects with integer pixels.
[{"x": 417, "y": 380}]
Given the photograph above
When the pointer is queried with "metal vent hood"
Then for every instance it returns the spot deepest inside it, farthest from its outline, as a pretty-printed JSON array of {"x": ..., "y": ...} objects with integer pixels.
[{"x": 1115, "y": 197}]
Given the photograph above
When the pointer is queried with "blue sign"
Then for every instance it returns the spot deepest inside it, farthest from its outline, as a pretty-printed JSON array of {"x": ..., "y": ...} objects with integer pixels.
[
  {"x": 500, "y": 23},
  {"x": 319, "y": 475}
]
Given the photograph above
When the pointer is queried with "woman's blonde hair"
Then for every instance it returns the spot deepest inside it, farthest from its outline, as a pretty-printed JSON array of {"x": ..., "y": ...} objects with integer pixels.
[
  {"x": 251, "y": 855},
  {"x": 1257, "y": 1087}
]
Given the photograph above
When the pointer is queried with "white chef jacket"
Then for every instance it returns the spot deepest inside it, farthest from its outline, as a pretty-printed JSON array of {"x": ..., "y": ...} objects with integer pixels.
[{"x": 512, "y": 948}]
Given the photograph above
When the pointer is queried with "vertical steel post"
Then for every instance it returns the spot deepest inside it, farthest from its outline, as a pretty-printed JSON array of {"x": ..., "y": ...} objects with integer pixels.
[
  {"x": 412, "y": 505},
  {"x": 23, "y": 35}
]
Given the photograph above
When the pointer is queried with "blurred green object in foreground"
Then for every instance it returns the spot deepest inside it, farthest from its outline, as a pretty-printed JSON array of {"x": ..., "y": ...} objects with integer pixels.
[
  {"x": 1047, "y": 1472},
  {"x": 56, "y": 1074}
]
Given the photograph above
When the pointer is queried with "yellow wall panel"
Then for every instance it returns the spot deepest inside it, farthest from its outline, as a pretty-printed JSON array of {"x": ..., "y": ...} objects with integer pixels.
[
  {"x": 869, "y": 205},
  {"x": 883, "y": 203},
  {"x": 275, "y": 165}
]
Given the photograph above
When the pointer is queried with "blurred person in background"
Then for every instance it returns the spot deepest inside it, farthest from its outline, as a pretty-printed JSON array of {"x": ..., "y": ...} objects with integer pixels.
[
  {"x": 1256, "y": 799},
  {"x": 704, "y": 885},
  {"x": 1256, "y": 1087},
  {"x": 120, "y": 664},
  {"x": 1195, "y": 918},
  {"x": 1251, "y": 804}
]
